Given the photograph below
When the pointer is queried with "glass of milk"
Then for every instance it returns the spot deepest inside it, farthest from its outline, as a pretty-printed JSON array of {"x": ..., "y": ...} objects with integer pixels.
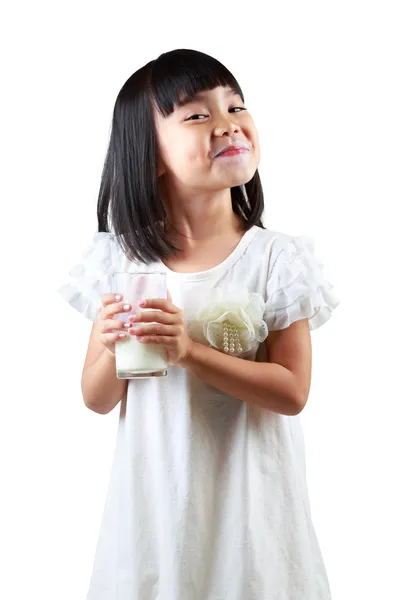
[{"x": 133, "y": 359}]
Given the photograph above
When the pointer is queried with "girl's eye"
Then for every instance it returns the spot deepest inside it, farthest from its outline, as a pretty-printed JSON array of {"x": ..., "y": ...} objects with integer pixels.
[
  {"x": 192, "y": 118},
  {"x": 239, "y": 108}
]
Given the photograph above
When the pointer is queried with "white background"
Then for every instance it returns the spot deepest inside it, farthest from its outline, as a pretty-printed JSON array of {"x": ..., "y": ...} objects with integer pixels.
[{"x": 321, "y": 80}]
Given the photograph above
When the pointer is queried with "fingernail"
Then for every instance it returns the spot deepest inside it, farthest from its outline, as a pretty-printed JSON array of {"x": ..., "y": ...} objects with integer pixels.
[
  {"x": 118, "y": 297},
  {"x": 126, "y": 306},
  {"x": 142, "y": 303}
]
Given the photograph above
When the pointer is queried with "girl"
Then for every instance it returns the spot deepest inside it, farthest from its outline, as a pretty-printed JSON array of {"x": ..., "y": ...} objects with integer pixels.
[{"x": 207, "y": 497}]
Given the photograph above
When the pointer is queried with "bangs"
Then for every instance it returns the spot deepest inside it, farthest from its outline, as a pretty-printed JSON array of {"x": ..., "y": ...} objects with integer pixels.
[{"x": 178, "y": 76}]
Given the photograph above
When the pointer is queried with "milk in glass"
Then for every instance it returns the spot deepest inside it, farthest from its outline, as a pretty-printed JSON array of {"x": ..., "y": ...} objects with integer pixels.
[{"x": 134, "y": 359}]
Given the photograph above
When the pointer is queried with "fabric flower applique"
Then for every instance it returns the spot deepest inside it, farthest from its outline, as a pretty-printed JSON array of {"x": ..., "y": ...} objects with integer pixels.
[{"x": 231, "y": 321}]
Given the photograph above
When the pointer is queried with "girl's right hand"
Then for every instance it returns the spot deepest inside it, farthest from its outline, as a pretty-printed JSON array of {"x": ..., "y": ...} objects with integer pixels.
[{"x": 112, "y": 329}]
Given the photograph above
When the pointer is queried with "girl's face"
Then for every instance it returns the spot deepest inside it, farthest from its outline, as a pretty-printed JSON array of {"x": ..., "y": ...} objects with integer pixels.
[{"x": 191, "y": 135}]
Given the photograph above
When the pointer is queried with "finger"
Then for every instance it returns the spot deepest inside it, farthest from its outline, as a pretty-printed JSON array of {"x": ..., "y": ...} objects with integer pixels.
[
  {"x": 116, "y": 308},
  {"x": 156, "y": 329},
  {"x": 161, "y": 303},
  {"x": 111, "y": 324},
  {"x": 110, "y": 298},
  {"x": 157, "y": 339},
  {"x": 109, "y": 339},
  {"x": 152, "y": 315},
  {"x": 169, "y": 296}
]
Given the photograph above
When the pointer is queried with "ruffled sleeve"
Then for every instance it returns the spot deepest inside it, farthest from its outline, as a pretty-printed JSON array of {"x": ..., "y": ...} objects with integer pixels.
[
  {"x": 297, "y": 288},
  {"x": 91, "y": 278}
]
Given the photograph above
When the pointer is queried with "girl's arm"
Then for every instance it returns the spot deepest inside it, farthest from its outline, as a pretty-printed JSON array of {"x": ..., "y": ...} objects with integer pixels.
[
  {"x": 101, "y": 389},
  {"x": 281, "y": 387}
]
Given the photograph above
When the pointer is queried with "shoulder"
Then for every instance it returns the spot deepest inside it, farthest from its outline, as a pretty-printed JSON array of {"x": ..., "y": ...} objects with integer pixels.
[
  {"x": 103, "y": 251},
  {"x": 110, "y": 250},
  {"x": 270, "y": 243},
  {"x": 103, "y": 240},
  {"x": 272, "y": 238}
]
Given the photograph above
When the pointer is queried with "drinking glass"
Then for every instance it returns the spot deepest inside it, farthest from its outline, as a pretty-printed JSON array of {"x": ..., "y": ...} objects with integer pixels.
[{"x": 135, "y": 360}]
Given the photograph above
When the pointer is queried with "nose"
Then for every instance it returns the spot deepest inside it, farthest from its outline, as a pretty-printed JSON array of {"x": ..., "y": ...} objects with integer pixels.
[{"x": 226, "y": 127}]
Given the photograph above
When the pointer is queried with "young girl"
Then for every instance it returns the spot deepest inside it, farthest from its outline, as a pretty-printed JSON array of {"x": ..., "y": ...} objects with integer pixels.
[{"x": 207, "y": 497}]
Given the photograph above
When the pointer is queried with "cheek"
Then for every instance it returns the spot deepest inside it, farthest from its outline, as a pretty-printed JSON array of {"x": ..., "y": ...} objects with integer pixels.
[
  {"x": 181, "y": 152},
  {"x": 191, "y": 153},
  {"x": 182, "y": 160},
  {"x": 186, "y": 155},
  {"x": 250, "y": 129},
  {"x": 257, "y": 152},
  {"x": 254, "y": 135},
  {"x": 255, "y": 141},
  {"x": 193, "y": 146}
]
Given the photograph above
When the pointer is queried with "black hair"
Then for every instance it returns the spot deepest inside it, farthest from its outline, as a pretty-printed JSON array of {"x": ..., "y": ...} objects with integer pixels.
[{"x": 129, "y": 194}]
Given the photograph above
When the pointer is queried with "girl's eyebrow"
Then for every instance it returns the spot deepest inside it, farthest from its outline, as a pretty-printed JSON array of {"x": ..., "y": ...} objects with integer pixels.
[{"x": 182, "y": 103}]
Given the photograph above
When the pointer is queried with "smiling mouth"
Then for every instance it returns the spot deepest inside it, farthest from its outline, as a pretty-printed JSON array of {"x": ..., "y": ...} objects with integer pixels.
[{"x": 233, "y": 153}]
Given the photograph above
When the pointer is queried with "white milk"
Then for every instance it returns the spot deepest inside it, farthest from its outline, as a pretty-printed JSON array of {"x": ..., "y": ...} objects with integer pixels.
[{"x": 135, "y": 359}]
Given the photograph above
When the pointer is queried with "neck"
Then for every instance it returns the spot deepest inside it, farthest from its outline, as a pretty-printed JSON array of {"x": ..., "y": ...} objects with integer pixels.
[{"x": 201, "y": 219}]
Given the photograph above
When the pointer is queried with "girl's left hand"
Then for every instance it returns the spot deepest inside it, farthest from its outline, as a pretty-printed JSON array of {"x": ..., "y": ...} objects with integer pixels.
[{"x": 168, "y": 329}]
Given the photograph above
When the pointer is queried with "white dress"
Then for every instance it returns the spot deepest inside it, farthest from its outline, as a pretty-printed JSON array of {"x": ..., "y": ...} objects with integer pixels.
[{"x": 207, "y": 497}]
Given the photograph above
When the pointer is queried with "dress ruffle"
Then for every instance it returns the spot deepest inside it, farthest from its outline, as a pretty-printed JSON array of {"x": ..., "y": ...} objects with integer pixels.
[
  {"x": 91, "y": 278},
  {"x": 297, "y": 288}
]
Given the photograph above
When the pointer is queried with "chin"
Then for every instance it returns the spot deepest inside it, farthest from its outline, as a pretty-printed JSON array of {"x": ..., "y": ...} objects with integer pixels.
[{"x": 242, "y": 178}]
